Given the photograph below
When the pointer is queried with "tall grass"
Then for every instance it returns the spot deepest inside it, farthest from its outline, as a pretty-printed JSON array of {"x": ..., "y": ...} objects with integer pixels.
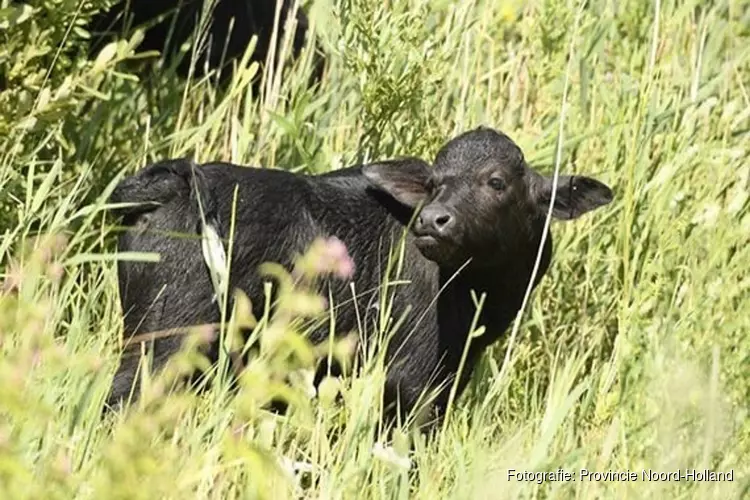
[{"x": 633, "y": 354}]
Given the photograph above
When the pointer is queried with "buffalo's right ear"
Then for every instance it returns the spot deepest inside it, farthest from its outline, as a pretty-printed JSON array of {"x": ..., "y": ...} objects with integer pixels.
[{"x": 405, "y": 179}]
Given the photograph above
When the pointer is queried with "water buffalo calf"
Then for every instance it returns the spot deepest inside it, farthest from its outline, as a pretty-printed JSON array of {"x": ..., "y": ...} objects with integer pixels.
[{"x": 479, "y": 228}]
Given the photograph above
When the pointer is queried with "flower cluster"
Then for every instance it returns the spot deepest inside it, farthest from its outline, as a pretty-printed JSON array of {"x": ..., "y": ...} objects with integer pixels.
[{"x": 326, "y": 256}]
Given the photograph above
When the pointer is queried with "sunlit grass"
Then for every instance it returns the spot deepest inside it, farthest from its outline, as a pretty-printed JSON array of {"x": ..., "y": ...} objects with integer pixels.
[{"x": 633, "y": 354}]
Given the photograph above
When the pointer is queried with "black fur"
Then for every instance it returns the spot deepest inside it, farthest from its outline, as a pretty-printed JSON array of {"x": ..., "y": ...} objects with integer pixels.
[
  {"x": 497, "y": 227},
  {"x": 232, "y": 25}
]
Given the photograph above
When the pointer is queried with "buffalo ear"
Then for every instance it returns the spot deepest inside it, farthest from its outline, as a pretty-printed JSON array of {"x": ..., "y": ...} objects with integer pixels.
[
  {"x": 575, "y": 195},
  {"x": 405, "y": 180}
]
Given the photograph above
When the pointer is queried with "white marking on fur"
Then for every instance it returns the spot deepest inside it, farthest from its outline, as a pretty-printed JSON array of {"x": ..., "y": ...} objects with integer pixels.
[{"x": 216, "y": 260}]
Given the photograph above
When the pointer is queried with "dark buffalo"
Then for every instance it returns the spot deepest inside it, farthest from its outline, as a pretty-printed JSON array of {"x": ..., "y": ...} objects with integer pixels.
[
  {"x": 479, "y": 229},
  {"x": 171, "y": 23}
]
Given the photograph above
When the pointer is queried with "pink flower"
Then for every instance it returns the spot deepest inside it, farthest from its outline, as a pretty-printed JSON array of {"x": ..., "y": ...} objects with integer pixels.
[
  {"x": 336, "y": 258},
  {"x": 326, "y": 256}
]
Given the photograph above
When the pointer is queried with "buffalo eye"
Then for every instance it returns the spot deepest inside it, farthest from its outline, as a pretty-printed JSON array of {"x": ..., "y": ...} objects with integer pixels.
[{"x": 496, "y": 184}]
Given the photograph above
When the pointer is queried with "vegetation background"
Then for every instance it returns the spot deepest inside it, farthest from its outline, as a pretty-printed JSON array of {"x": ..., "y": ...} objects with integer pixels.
[{"x": 634, "y": 353}]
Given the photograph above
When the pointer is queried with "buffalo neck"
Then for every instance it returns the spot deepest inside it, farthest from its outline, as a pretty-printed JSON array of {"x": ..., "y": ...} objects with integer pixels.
[{"x": 503, "y": 284}]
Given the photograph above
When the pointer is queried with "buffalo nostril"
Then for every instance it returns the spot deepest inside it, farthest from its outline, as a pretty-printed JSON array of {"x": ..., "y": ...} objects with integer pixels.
[{"x": 442, "y": 220}]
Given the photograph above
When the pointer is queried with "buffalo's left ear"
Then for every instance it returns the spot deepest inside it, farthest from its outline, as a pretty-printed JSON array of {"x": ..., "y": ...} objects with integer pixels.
[
  {"x": 405, "y": 180},
  {"x": 576, "y": 195}
]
